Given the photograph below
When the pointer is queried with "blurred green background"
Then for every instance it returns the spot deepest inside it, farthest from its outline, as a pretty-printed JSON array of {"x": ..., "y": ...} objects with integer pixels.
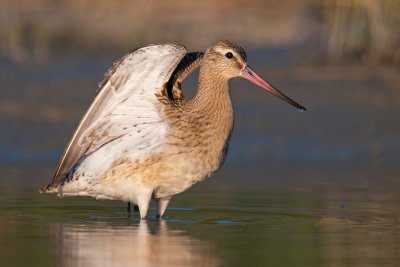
[{"x": 38, "y": 31}]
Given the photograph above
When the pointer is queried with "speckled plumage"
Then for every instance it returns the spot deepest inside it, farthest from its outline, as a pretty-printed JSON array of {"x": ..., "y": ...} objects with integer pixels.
[{"x": 141, "y": 139}]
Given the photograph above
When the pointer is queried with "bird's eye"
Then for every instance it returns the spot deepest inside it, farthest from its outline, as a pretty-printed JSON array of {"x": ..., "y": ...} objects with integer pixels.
[{"x": 229, "y": 55}]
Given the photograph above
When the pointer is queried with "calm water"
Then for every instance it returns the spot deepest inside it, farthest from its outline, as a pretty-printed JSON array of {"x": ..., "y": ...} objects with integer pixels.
[
  {"x": 298, "y": 189},
  {"x": 205, "y": 227}
]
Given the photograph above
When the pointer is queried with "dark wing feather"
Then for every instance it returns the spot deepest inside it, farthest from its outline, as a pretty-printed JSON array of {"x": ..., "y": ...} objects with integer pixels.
[{"x": 190, "y": 62}]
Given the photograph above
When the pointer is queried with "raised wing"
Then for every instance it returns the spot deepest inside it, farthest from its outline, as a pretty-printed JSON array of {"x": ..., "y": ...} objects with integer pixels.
[{"x": 127, "y": 97}]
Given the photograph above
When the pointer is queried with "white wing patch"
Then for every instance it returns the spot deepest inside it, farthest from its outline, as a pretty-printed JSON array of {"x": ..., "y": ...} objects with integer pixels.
[
  {"x": 125, "y": 117},
  {"x": 133, "y": 107}
]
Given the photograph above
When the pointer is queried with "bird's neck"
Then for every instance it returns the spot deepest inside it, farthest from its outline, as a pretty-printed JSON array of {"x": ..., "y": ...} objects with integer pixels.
[
  {"x": 211, "y": 111},
  {"x": 204, "y": 123},
  {"x": 213, "y": 98}
]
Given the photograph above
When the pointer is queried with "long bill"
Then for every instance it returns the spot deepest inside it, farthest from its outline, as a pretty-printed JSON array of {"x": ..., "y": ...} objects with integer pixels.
[{"x": 253, "y": 77}]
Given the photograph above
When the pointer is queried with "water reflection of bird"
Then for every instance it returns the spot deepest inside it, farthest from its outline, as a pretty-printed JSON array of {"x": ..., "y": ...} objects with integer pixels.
[
  {"x": 147, "y": 243},
  {"x": 141, "y": 139}
]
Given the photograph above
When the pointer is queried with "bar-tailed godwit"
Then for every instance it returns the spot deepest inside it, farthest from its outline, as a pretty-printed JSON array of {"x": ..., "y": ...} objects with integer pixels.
[{"x": 141, "y": 139}]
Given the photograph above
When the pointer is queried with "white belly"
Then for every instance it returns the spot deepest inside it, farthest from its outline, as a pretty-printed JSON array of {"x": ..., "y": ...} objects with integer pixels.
[{"x": 166, "y": 173}]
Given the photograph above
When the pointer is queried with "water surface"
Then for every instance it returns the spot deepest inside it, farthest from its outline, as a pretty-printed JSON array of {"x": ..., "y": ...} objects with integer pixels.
[{"x": 205, "y": 227}]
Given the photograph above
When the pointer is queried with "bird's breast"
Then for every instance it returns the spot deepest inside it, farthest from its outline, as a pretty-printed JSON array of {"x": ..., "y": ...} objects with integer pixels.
[{"x": 202, "y": 141}]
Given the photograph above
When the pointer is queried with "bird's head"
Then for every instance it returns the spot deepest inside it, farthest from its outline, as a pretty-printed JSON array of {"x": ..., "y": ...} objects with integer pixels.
[
  {"x": 228, "y": 58},
  {"x": 230, "y": 61}
]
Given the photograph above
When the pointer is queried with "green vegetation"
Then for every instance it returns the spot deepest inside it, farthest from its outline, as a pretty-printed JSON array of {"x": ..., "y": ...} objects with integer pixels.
[
  {"x": 35, "y": 31},
  {"x": 366, "y": 30}
]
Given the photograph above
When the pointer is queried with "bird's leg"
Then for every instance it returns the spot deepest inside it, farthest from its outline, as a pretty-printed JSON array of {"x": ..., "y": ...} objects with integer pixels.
[
  {"x": 162, "y": 205},
  {"x": 135, "y": 207},
  {"x": 143, "y": 202},
  {"x": 129, "y": 207}
]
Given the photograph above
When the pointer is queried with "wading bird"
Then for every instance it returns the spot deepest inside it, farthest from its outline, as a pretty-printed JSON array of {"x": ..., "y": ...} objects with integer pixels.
[{"x": 141, "y": 139}]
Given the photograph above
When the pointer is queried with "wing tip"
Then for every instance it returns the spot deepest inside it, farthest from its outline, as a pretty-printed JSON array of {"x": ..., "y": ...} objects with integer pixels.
[
  {"x": 52, "y": 187},
  {"x": 47, "y": 189}
]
